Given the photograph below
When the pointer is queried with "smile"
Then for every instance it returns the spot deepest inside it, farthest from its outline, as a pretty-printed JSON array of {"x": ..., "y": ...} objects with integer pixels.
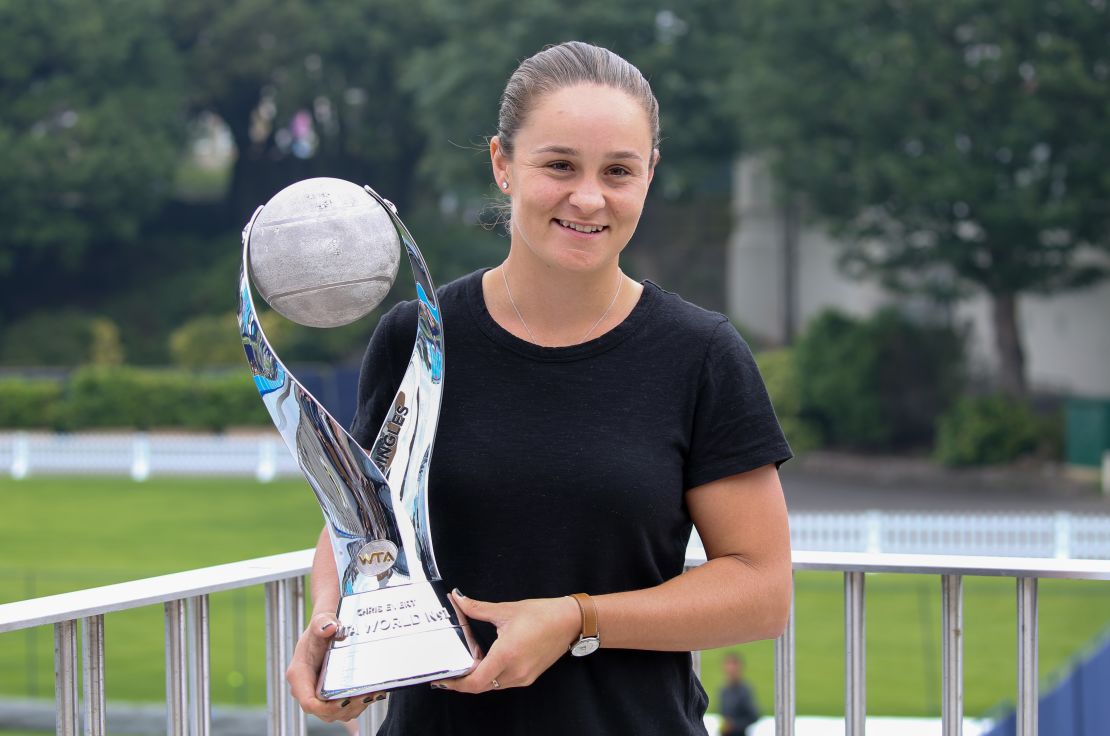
[{"x": 581, "y": 228}]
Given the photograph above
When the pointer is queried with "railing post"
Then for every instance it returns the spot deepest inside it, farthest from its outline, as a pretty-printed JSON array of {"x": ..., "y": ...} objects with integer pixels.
[
  {"x": 952, "y": 655},
  {"x": 1026, "y": 656},
  {"x": 267, "y": 461},
  {"x": 140, "y": 456},
  {"x": 1062, "y": 534},
  {"x": 784, "y": 678},
  {"x": 200, "y": 703},
  {"x": 176, "y": 680},
  {"x": 294, "y": 624},
  {"x": 21, "y": 456},
  {"x": 855, "y": 655},
  {"x": 276, "y": 657},
  {"x": 874, "y": 531},
  {"x": 92, "y": 657},
  {"x": 65, "y": 678}
]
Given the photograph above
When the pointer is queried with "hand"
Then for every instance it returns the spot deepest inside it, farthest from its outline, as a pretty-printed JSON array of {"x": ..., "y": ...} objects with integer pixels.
[
  {"x": 531, "y": 635},
  {"x": 304, "y": 671}
]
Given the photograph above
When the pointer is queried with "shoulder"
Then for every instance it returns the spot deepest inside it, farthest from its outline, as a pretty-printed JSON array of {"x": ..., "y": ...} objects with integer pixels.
[{"x": 693, "y": 326}]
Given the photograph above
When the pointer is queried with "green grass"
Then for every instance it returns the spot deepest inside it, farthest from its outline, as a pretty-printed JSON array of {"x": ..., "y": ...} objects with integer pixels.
[
  {"x": 903, "y": 642},
  {"x": 59, "y": 534},
  {"x": 67, "y": 534}
]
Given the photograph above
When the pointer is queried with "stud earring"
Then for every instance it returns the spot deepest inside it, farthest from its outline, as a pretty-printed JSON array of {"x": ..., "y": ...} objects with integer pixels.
[{"x": 504, "y": 185}]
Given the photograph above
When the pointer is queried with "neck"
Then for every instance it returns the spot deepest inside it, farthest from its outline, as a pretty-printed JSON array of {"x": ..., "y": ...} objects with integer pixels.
[{"x": 557, "y": 307}]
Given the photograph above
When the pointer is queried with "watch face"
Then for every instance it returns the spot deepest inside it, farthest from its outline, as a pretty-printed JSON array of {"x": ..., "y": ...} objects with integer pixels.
[{"x": 585, "y": 645}]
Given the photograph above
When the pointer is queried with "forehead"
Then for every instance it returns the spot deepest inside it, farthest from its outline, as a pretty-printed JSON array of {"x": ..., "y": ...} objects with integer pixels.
[{"x": 586, "y": 117}]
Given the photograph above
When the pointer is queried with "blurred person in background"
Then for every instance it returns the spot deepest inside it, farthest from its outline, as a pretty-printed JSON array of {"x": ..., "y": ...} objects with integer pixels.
[
  {"x": 737, "y": 704},
  {"x": 589, "y": 423}
]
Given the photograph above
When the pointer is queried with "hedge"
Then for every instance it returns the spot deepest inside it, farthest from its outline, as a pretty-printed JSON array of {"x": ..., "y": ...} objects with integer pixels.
[{"x": 126, "y": 397}]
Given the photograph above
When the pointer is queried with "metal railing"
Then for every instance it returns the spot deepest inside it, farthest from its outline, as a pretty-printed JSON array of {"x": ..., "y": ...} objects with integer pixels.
[{"x": 185, "y": 599}]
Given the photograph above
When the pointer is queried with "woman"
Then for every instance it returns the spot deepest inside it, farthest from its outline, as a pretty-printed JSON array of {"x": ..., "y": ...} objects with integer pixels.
[{"x": 588, "y": 421}]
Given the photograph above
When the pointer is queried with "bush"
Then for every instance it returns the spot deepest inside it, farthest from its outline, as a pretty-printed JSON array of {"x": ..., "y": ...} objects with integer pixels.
[
  {"x": 878, "y": 383},
  {"x": 64, "y": 337},
  {"x": 27, "y": 403},
  {"x": 130, "y": 397},
  {"x": 987, "y": 430},
  {"x": 781, "y": 376}
]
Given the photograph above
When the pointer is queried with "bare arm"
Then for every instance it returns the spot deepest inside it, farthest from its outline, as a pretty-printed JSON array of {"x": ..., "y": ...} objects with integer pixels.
[
  {"x": 325, "y": 578},
  {"x": 741, "y": 594}
]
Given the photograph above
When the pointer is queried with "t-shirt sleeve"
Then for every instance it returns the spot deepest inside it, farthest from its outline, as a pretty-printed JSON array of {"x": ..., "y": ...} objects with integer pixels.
[
  {"x": 735, "y": 428},
  {"x": 383, "y": 367}
]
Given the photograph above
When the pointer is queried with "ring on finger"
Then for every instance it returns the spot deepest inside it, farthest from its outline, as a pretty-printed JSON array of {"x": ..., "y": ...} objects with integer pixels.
[{"x": 496, "y": 685}]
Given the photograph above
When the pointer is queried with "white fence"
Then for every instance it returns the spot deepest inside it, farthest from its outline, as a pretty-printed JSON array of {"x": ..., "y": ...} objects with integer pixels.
[
  {"x": 1061, "y": 535},
  {"x": 264, "y": 456},
  {"x": 141, "y": 455}
]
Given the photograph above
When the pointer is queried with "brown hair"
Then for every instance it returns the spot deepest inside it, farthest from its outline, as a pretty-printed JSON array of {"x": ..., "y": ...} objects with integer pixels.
[{"x": 566, "y": 65}]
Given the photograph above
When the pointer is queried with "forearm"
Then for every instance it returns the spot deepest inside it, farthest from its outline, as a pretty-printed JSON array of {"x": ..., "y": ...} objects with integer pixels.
[
  {"x": 325, "y": 579},
  {"x": 728, "y": 600}
]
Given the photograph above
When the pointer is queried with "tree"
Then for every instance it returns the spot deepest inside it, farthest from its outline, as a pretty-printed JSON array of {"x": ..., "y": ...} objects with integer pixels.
[
  {"x": 259, "y": 64},
  {"x": 962, "y": 141},
  {"x": 90, "y": 130},
  {"x": 685, "y": 53}
]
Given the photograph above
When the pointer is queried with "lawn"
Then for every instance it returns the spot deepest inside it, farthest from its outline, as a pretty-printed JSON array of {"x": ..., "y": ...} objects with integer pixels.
[{"x": 66, "y": 534}]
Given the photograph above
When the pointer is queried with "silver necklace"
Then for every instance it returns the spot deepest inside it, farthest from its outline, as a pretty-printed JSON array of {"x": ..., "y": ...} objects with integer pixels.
[{"x": 532, "y": 335}]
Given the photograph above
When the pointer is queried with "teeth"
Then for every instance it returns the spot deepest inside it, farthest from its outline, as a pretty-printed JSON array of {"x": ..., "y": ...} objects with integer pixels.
[{"x": 582, "y": 228}]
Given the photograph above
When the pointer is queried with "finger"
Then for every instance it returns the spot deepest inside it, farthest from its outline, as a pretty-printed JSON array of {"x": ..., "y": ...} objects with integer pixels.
[
  {"x": 476, "y": 609},
  {"x": 481, "y": 678}
]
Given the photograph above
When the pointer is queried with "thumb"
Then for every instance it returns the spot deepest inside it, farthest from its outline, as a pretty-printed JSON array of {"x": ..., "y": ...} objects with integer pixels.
[{"x": 324, "y": 626}]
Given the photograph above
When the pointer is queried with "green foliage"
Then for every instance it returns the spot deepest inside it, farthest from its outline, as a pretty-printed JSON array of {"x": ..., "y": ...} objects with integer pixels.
[
  {"x": 61, "y": 337},
  {"x": 877, "y": 383},
  {"x": 685, "y": 51},
  {"x": 27, "y": 403},
  {"x": 953, "y": 145},
  {"x": 125, "y": 397},
  {"x": 207, "y": 342},
  {"x": 987, "y": 430},
  {"x": 780, "y": 374},
  {"x": 90, "y": 128}
]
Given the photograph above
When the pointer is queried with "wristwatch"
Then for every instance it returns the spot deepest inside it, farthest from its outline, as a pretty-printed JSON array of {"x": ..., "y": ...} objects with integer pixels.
[{"x": 590, "y": 638}]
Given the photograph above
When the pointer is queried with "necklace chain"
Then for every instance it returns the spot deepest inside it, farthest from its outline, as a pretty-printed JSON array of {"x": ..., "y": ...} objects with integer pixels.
[{"x": 532, "y": 335}]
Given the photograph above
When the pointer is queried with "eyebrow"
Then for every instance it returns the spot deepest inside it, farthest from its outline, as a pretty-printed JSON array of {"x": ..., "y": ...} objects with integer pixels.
[{"x": 566, "y": 151}]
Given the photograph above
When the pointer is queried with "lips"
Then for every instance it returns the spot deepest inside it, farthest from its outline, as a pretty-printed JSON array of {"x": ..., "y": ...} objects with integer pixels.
[{"x": 579, "y": 227}]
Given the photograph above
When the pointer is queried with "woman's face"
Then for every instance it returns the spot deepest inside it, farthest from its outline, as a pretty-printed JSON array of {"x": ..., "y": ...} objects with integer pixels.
[{"x": 579, "y": 175}]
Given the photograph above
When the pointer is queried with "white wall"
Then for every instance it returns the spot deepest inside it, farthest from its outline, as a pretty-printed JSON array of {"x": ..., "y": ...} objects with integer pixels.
[{"x": 1066, "y": 337}]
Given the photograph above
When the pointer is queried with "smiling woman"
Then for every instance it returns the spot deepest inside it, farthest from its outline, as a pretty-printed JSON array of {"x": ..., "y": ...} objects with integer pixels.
[{"x": 589, "y": 423}]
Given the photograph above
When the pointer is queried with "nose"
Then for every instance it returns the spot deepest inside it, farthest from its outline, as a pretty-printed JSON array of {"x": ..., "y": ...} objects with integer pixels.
[{"x": 587, "y": 195}]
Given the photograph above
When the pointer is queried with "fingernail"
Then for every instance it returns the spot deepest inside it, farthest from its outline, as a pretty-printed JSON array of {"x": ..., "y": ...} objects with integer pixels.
[
  {"x": 437, "y": 686},
  {"x": 369, "y": 699},
  {"x": 327, "y": 626},
  {"x": 345, "y": 703},
  {"x": 379, "y": 696},
  {"x": 458, "y": 592}
]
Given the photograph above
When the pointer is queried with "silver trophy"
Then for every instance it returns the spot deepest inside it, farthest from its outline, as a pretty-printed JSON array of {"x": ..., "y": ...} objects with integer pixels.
[{"x": 398, "y": 626}]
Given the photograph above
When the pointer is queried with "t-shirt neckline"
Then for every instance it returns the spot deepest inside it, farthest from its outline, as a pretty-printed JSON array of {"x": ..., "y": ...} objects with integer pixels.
[{"x": 606, "y": 341}]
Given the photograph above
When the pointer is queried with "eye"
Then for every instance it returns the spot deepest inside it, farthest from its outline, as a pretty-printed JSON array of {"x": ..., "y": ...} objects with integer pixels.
[
  {"x": 559, "y": 166},
  {"x": 619, "y": 171}
]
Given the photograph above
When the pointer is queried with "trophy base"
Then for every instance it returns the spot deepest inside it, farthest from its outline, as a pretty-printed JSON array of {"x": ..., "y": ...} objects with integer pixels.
[{"x": 398, "y": 636}]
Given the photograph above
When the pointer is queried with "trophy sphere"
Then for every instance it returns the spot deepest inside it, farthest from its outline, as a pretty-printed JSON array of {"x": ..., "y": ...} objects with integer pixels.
[{"x": 323, "y": 252}]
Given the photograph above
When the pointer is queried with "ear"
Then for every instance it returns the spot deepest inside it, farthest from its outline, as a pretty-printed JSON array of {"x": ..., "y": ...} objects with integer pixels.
[
  {"x": 654, "y": 162},
  {"x": 499, "y": 161}
]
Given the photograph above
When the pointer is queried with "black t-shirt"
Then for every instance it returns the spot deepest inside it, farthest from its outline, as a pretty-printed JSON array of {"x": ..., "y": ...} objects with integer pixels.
[{"x": 563, "y": 470}]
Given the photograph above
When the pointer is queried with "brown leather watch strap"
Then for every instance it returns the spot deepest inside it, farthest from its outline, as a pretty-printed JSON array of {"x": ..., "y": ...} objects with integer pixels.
[{"x": 589, "y": 614}]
